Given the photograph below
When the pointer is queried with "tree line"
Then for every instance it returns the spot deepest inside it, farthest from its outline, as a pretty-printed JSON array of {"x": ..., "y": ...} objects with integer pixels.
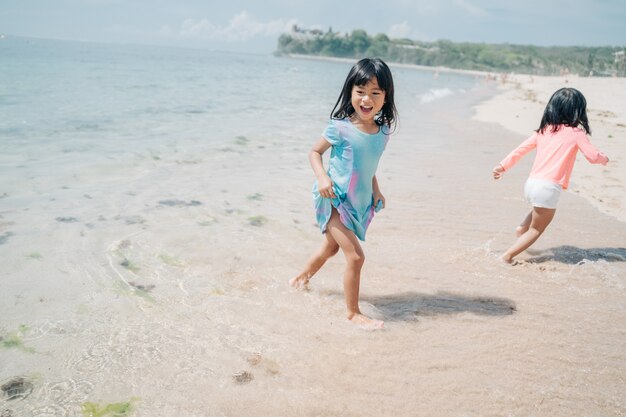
[{"x": 527, "y": 59}]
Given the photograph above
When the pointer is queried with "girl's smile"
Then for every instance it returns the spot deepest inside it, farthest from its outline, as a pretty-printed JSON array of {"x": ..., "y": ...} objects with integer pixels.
[{"x": 367, "y": 100}]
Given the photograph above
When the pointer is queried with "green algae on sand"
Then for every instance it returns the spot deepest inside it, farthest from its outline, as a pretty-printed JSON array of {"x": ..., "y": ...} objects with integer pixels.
[
  {"x": 255, "y": 197},
  {"x": 257, "y": 220},
  {"x": 133, "y": 289},
  {"x": 13, "y": 340},
  {"x": 142, "y": 291},
  {"x": 216, "y": 292},
  {"x": 129, "y": 265},
  {"x": 208, "y": 221},
  {"x": 171, "y": 260},
  {"x": 124, "y": 409}
]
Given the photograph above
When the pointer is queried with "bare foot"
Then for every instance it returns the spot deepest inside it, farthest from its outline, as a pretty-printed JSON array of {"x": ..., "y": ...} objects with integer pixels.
[
  {"x": 507, "y": 259},
  {"x": 366, "y": 322},
  {"x": 301, "y": 282}
]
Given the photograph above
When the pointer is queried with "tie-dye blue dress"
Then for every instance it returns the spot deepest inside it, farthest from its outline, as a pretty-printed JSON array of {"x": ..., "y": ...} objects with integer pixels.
[{"x": 353, "y": 161}]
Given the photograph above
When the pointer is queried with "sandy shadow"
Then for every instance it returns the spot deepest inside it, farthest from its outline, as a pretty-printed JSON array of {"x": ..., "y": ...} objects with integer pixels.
[
  {"x": 572, "y": 255},
  {"x": 410, "y": 306}
]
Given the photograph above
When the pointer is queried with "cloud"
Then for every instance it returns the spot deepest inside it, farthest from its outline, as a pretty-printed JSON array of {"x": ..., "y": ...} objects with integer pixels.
[
  {"x": 399, "y": 30},
  {"x": 471, "y": 8},
  {"x": 240, "y": 28},
  {"x": 404, "y": 30}
]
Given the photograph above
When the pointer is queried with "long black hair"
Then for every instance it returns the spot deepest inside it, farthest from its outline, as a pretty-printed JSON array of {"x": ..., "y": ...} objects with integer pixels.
[
  {"x": 568, "y": 107},
  {"x": 359, "y": 75}
]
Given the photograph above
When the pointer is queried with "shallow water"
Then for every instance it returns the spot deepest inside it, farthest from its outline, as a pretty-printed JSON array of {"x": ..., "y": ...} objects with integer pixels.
[{"x": 146, "y": 259}]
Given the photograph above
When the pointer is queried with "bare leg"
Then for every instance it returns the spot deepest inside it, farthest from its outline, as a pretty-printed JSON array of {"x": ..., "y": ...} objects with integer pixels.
[
  {"x": 318, "y": 259},
  {"x": 540, "y": 219},
  {"x": 523, "y": 227},
  {"x": 352, "y": 276}
]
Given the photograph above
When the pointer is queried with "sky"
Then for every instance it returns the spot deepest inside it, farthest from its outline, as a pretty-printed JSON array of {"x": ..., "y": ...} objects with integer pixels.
[{"x": 254, "y": 26}]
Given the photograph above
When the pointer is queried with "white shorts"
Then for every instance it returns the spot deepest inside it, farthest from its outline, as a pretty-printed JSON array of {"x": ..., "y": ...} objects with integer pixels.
[{"x": 542, "y": 193}]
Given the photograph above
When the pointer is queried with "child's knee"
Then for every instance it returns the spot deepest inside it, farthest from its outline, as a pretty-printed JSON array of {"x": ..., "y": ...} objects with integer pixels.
[{"x": 355, "y": 259}]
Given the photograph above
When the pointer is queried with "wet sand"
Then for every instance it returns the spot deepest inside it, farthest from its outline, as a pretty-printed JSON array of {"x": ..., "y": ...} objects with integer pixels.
[{"x": 165, "y": 286}]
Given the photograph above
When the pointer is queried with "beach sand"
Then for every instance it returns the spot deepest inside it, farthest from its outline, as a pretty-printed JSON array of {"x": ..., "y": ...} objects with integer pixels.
[{"x": 167, "y": 287}]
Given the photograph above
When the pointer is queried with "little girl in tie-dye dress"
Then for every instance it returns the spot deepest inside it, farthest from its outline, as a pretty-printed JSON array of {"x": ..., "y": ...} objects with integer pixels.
[{"x": 347, "y": 195}]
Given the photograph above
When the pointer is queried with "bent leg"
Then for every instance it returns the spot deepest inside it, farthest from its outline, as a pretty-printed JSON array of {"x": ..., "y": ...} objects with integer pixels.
[
  {"x": 523, "y": 227},
  {"x": 316, "y": 261},
  {"x": 540, "y": 219},
  {"x": 355, "y": 259}
]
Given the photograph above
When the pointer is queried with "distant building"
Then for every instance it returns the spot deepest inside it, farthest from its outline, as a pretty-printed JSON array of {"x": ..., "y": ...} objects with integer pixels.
[{"x": 620, "y": 62}]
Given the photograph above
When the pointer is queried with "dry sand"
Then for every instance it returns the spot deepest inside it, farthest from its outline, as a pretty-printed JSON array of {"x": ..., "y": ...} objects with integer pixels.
[{"x": 180, "y": 303}]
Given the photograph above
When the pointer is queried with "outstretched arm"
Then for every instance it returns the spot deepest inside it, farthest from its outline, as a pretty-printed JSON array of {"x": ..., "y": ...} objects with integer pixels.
[
  {"x": 517, "y": 153},
  {"x": 592, "y": 153},
  {"x": 324, "y": 183}
]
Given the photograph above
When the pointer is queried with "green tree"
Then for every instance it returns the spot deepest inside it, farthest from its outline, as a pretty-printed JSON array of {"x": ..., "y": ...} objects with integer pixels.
[{"x": 360, "y": 41}]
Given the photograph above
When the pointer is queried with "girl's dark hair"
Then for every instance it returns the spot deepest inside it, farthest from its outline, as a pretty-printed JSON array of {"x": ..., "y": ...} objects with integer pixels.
[
  {"x": 360, "y": 74},
  {"x": 568, "y": 107}
]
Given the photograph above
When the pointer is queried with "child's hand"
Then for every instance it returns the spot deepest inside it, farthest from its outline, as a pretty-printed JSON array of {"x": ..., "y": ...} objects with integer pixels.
[
  {"x": 325, "y": 187},
  {"x": 378, "y": 197},
  {"x": 497, "y": 172}
]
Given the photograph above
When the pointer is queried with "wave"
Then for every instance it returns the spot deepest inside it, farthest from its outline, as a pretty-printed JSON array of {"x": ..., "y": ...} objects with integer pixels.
[{"x": 435, "y": 94}]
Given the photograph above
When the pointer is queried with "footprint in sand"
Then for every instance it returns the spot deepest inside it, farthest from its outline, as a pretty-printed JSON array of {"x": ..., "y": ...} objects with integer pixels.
[
  {"x": 66, "y": 219},
  {"x": 17, "y": 387},
  {"x": 180, "y": 203},
  {"x": 546, "y": 268},
  {"x": 243, "y": 377}
]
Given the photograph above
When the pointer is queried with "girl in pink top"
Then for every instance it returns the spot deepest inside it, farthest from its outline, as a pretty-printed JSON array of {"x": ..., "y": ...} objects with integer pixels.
[{"x": 562, "y": 133}]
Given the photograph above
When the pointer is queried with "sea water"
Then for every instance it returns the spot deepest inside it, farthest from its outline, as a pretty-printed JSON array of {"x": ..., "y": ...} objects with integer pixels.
[{"x": 67, "y": 104}]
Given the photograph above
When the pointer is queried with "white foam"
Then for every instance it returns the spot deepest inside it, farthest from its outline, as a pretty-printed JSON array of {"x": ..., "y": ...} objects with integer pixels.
[{"x": 435, "y": 94}]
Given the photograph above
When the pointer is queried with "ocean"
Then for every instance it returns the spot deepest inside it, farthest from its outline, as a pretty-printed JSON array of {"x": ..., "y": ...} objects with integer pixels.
[{"x": 79, "y": 103}]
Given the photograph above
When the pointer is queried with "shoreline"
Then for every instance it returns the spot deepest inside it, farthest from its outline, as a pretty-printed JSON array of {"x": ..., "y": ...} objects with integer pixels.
[{"x": 391, "y": 64}]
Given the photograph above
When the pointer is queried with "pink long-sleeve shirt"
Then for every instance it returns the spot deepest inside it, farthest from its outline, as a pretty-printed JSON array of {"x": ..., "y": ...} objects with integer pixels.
[{"x": 556, "y": 154}]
